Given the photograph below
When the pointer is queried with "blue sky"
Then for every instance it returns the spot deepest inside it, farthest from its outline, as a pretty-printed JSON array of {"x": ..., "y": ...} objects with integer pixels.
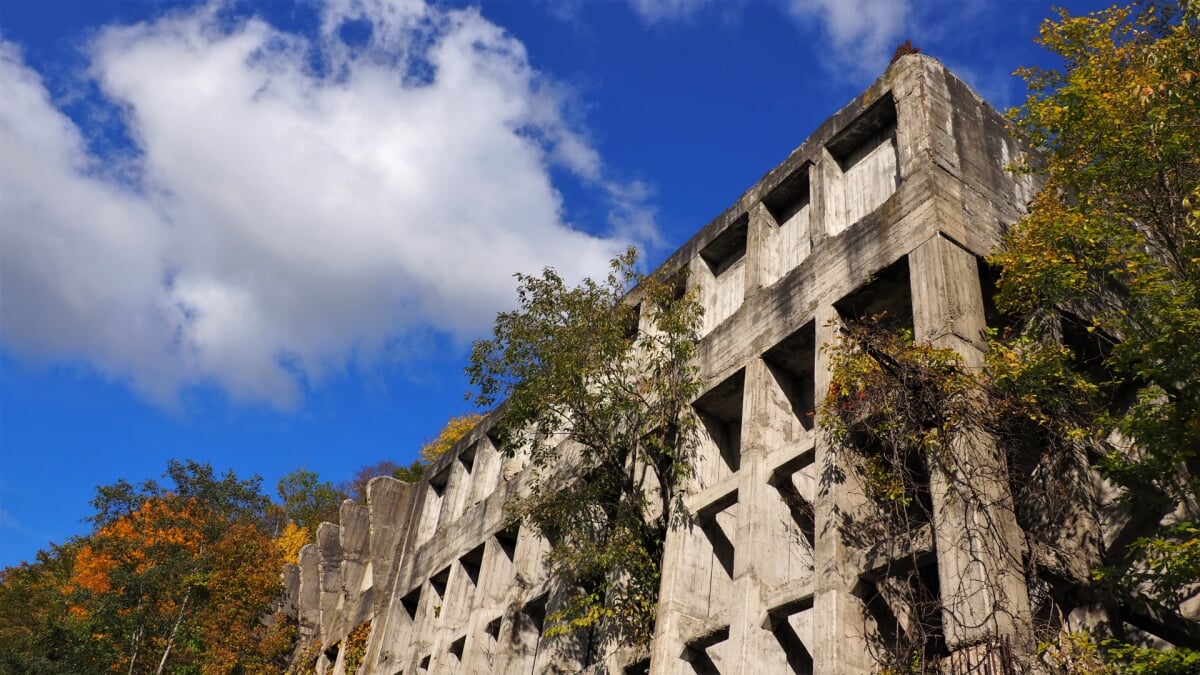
[{"x": 263, "y": 235}]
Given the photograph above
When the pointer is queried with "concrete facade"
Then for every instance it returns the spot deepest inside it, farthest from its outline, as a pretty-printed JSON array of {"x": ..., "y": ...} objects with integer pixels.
[{"x": 890, "y": 204}]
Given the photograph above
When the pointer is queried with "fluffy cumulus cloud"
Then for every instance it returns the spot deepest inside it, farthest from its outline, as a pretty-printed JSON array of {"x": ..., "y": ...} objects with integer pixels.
[{"x": 293, "y": 203}]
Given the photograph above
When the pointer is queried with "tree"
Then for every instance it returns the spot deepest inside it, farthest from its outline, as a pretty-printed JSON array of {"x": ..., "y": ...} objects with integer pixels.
[
  {"x": 1113, "y": 240},
  {"x": 1110, "y": 250},
  {"x": 597, "y": 387},
  {"x": 34, "y": 632},
  {"x": 174, "y": 578},
  {"x": 1100, "y": 289},
  {"x": 290, "y": 541},
  {"x": 308, "y": 501},
  {"x": 357, "y": 487},
  {"x": 455, "y": 429}
]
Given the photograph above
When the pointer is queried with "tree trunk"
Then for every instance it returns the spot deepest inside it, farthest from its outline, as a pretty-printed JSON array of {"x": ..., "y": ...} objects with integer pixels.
[{"x": 174, "y": 629}]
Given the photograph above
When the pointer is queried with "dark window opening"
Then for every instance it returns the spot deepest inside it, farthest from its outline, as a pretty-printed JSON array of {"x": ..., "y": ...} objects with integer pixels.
[
  {"x": 493, "y": 628},
  {"x": 411, "y": 601},
  {"x": 507, "y": 539},
  {"x": 792, "y": 363},
  {"x": 801, "y": 510},
  {"x": 799, "y": 659},
  {"x": 790, "y": 196},
  {"x": 439, "y": 482},
  {"x": 728, "y": 247},
  {"x": 887, "y": 296},
  {"x": 721, "y": 413},
  {"x": 696, "y": 652},
  {"x": 876, "y": 126},
  {"x": 438, "y": 582},
  {"x": 906, "y": 608},
  {"x": 535, "y": 612},
  {"x": 467, "y": 458},
  {"x": 472, "y": 562},
  {"x": 638, "y": 668},
  {"x": 722, "y": 545}
]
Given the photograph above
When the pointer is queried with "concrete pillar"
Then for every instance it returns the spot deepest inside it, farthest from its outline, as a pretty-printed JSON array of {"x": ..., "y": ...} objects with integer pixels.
[
  {"x": 389, "y": 503},
  {"x": 310, "y": 592},
  {"x": 329, "y": 573},
  {"x": 291, "y": 592},
  {"x": 754, "y": 547},
  {"x": 759, "y": 249},
  {"x": 840, "y": 630},
  {"x": 978, "y": 542}
]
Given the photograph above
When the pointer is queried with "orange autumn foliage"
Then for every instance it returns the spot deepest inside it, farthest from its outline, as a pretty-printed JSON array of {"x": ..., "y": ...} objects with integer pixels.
[{"x": 174, "y": 572}]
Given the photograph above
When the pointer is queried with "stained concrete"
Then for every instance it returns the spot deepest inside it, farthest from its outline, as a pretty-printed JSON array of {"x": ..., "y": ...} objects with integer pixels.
[{"x": 887, "y": 205}]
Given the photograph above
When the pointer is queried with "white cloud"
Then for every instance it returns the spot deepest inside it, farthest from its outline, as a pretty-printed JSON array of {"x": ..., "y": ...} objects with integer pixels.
[
  {"x": 862, "y": 33},
  {"x": 653, "y": 11},
  {"x": 288, "y": 217}
]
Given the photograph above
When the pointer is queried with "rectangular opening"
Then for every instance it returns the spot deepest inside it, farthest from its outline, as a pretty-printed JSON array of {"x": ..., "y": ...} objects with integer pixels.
[
  {"x": 728, "y": 247},
  {"x": 783, "y": 623},
  {"x": 721, "y": 413},
  {"x": 886, "y": 296},
  {"x": 792, "y": 363},
  {"x": 799, "y": 507},
  {"x": 865, "y": 133},
  {"x": 641, "y": 667},
  {"x": 535, "y": 612},
  {"x": 989, "y": 280},
  {"x": 865, "y": 151},
  {"x": 439, "y": 482},
  {"x": 431, "y": 509},
  {"x": 467, "y": 458},
  {"x": 493, "y": 436},
  {"x": 697, "y": 652},
  {"x": 790, "y": 196},
  {"x": 906, "y": 608},
  {"x": 631, "y": 322},
  {"x": 718, "y": 521}
]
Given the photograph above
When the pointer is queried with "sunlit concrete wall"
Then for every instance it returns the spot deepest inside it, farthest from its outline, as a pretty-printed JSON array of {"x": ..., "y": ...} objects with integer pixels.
[{"x": 888, "y": 206}]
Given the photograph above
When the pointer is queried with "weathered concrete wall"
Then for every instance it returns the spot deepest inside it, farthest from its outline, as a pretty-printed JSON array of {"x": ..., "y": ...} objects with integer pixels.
[{"x": 888, "y": 205}]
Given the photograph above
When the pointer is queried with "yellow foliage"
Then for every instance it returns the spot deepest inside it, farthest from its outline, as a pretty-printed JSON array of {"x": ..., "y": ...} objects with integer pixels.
[
  {"x": 452, "y": 433},
  {"x": 290, "y": 541}
]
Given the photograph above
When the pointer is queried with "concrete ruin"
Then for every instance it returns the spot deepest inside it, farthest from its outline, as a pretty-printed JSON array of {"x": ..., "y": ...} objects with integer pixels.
[{"x": 890, "y": 204}]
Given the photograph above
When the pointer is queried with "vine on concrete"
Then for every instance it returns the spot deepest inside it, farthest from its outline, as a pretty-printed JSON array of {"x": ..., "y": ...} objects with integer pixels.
[{"x": 355, "y": 647}]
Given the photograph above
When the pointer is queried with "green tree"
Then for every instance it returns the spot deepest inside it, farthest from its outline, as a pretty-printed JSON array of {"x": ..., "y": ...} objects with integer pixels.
[
  {"x": 451, "y": 433},
  {"x": 597, "y": 388},
  {"x": 1100, "y": 285},
  {"x": 1112, "y": 245},
  {"x": 173, "y": 578},
  {"x": 308, "y": 501},
  {"x": 1113, "y": 240},
  {"x": 35, "y": 636},
  {"x": 356, "y": 487}
]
